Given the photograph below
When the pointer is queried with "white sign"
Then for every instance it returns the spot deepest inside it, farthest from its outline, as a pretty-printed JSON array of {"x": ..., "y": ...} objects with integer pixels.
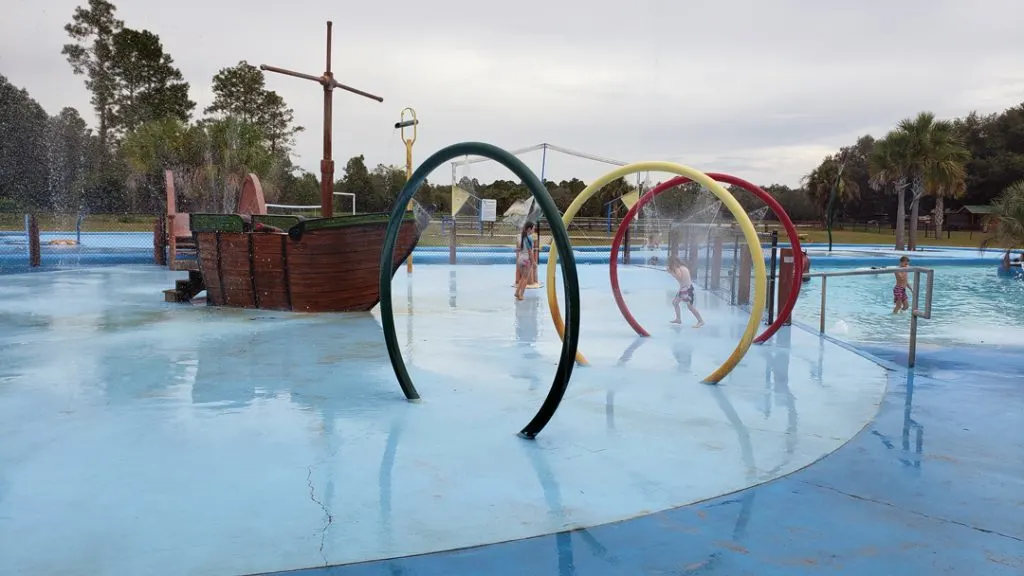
[{"x": 488, "y": 210}]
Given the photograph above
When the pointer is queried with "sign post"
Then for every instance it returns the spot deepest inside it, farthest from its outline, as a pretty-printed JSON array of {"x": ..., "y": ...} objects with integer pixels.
[{"x": 488, "y": 210}]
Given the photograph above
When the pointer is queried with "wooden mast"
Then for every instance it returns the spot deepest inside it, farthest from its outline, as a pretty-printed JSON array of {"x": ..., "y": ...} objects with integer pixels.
[{"x": 329, "y": 83}]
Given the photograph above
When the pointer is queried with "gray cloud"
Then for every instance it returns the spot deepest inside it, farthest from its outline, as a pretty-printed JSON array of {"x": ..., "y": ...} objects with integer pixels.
[{"x": 763, "y": 89}]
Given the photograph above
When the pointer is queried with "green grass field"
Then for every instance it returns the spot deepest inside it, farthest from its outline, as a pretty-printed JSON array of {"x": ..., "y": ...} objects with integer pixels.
[
  {"x": 959, "y": 238},
  {"x": 92, "y": 223}
]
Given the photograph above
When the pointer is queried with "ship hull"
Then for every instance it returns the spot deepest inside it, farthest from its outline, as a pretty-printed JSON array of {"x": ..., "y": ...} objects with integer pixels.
[{"x": 322, "y": 265}]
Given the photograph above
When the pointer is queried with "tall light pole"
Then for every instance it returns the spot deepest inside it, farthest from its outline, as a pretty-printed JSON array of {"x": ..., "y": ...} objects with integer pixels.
[{"x": 402, "y": 124}]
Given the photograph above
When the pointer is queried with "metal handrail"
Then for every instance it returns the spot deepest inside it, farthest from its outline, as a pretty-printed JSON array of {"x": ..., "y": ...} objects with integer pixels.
[{"x": 915, "y": 313}]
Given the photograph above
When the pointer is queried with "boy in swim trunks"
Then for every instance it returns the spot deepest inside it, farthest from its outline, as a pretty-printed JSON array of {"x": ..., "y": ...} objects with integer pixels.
[
  {"x": 685, "y": 294},
  {"x": 899, "y": 291}
]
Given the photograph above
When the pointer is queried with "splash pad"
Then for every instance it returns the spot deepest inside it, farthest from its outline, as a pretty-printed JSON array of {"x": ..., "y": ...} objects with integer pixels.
[{"x": 750, "y": 235}]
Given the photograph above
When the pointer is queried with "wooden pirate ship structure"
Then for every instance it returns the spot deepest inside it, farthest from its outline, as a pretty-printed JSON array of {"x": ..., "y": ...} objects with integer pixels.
[{"x": 252, "y": 259}]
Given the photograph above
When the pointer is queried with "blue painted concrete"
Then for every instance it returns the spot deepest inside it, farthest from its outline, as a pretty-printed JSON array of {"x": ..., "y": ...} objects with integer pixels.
[
  {"x": 175, "y": 439},
  {"x": 935, "y": 485}
]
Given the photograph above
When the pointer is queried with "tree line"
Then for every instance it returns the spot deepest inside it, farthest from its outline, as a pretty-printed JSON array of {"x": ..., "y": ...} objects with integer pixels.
[
  {"x": 923, "y": 166},
  {"x": 146, "y": 123}
]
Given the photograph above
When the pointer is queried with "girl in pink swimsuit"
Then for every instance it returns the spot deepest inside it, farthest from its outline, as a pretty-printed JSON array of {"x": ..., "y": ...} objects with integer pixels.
[{"x": 524, "y": 259}]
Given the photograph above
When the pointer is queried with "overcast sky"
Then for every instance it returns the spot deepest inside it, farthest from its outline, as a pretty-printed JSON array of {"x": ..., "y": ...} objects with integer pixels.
[{"x": 761, "y": 89}]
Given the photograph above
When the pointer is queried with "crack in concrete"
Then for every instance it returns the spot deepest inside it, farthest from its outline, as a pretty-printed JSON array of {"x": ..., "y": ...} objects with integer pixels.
[
  {"x": 327, "y": 513},
  {"x": 916, "y": 513}
]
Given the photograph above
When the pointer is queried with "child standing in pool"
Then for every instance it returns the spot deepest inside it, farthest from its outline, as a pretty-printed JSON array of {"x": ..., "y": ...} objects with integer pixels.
[
  {"x": 524, "y": 259},
  {"x": 899, "y": 291},
  {"x": 685, "y": 295}
]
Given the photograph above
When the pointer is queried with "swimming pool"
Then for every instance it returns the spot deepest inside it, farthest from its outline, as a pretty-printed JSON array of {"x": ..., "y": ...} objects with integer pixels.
[
  {"x": 112, "y": 248},
  {"x": 970, "y": 305},
  {"x": 970, "y": 301}
]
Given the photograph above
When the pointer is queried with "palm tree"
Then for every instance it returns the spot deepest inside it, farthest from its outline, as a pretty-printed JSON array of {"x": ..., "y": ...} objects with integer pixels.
[
  {"x": 211, "y": 159},
  {"x": 930, "y": 149},
  {"x": 165, "y": 143},
  {"x": 828, "y": 175},
  {"x": 886, "y": 169},
  {"x": 235, "y": 149},
  {"x": 949, "y": 181},
  {"x": 1007, "y": 219}
]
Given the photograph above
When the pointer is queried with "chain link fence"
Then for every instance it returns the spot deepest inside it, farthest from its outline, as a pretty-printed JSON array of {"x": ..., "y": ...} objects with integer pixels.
[
  {"x": 716, "y": 254},
  {"x": 75, "y": 240}
]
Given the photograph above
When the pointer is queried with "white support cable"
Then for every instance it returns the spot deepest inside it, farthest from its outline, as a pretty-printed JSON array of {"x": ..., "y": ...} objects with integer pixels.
[
  {"x": 541, "y": 146},
  {"x": 478, "y": 159},
  {"x": 468, "y": 160},
  {"x": 585, "y": 155}
]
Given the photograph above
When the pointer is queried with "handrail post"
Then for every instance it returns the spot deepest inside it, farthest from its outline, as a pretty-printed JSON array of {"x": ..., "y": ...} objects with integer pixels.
[
  {"x": 771, "y": 276},
  {"x": 929, "y": 283},
  {"x": 916, "y": 313},
  {"x": 824, "y": 291},
  {"x": 912, "y": 353}
]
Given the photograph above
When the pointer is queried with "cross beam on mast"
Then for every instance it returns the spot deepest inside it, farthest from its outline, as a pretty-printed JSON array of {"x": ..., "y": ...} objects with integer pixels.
[{"x": 329, "y": 83}]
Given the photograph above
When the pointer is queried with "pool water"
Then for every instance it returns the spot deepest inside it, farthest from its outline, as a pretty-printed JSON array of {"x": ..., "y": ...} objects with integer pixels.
[
  {"x": 970, "y": 305},
  {"x": 109, "y": 241}
]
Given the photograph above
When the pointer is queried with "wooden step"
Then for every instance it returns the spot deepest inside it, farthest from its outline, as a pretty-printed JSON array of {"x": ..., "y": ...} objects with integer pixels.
[
  {"x": 173, "y": 295},
  {"x": 186, "y": 289},
  {"x": 190, "y": 264}
]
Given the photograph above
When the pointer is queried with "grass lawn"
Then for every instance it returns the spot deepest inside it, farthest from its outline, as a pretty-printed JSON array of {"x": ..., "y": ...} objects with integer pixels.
[
  {"x": 92, "y": 223},
  {"x": 959, "y": 238}
]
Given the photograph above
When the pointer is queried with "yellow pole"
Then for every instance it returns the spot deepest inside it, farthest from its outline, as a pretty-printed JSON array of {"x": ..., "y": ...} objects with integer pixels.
[{"x": 402, "y": 124}]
